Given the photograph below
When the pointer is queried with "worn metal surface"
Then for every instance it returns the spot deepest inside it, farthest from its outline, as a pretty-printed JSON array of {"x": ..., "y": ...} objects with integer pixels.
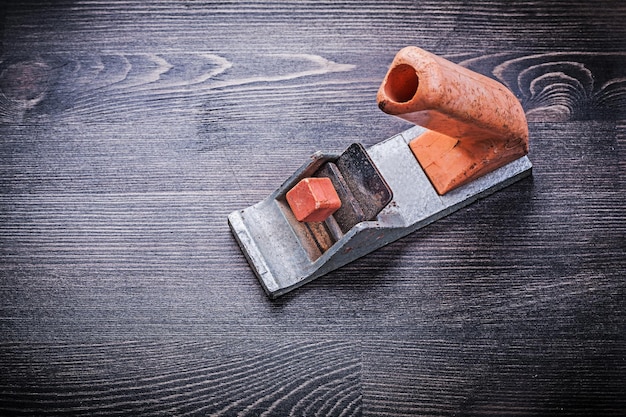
[
  {"x": 365, "y": 181},
  {"x": 350, "y": 212},
  {"x": 284, "y": 258},
  {"x": 360, "y": 186}
]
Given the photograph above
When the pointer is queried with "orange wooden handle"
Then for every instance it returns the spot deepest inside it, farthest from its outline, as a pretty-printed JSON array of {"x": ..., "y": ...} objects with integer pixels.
[{"x": 476, "y": 124}]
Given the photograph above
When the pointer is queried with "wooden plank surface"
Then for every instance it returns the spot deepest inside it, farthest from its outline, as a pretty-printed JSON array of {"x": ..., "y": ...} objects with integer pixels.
[{"x": 129, "y": 130}]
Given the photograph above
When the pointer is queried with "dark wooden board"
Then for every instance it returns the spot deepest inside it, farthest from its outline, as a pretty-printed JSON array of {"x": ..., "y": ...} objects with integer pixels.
[{"x": 130, "y": 130}]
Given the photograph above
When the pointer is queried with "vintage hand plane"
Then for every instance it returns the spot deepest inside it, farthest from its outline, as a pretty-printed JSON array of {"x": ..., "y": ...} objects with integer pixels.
[{"x": 471, "y": 140}]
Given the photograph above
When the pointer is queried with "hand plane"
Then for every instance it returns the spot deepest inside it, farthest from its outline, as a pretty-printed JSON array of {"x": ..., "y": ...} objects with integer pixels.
[{"x": 470, "y": 139}]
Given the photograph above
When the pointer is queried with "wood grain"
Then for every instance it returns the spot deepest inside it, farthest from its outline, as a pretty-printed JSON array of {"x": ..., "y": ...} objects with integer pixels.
[
  {"x": 488, "y": 377},
  {"x": 128, "y": 132},
  {"x": 218, "y": 378},
  {"x": 564, "y": 86}
]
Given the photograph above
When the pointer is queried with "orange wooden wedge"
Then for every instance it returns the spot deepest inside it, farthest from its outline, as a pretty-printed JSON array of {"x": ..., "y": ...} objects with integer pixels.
[{"x": 313, "y": 199}]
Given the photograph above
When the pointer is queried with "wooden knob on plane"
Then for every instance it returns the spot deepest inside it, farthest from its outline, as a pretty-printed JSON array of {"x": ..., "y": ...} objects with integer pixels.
[{"x": 475, "y": 123}]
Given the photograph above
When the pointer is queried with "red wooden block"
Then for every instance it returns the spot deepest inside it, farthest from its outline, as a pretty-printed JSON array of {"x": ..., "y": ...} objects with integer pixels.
[{"x": 313, "y": 199}]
